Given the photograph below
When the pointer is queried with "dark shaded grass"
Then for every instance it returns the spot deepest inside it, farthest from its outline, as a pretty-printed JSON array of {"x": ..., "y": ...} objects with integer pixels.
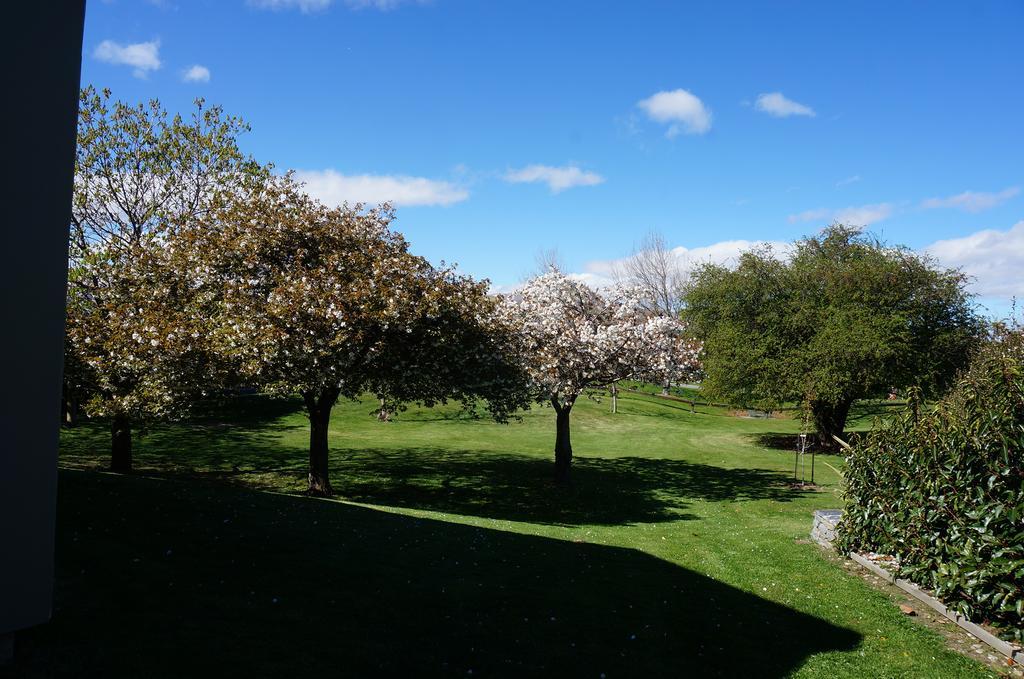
[
  {"x": 164, "y": 578},
  {"x": 689, "y": 510}
]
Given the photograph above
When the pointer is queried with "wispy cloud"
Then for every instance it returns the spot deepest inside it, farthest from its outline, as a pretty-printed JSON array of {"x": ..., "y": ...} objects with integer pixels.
[
  {"x": 310, "y": 6},
  {"x": 601, "y": 273},
  {"x": 196, "y": 74},
  {"x": 864, "y": 215},
  {"x": 860, "y": 215},
  {"x": 776, "y": 104},
  {"x": 143, "y": 57},
  {"x": 304, "y": 6},
  {"x": 993, "y": 259},
  {"x": 972, "y": 201},
  {"x": 558, "y": 179},
  {"x": 382, "y": 5},
  {"x": 817, "y": 214},
  {"x": 849, "y": 180},
  {"x": 683, "y": 110},
  {"x": 335, "y": 188}
]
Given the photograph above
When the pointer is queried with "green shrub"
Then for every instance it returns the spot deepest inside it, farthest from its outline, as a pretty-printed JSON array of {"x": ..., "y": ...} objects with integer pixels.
[{"x": 943, "y": 490}]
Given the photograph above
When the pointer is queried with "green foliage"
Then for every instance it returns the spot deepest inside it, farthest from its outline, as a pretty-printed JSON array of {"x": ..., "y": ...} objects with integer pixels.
[
  {"x": 135, "y": 345},
  {"x": 944, "y": 491},
  {"x": 843, "y": 317},
  {"x": 309, "y": 299}
]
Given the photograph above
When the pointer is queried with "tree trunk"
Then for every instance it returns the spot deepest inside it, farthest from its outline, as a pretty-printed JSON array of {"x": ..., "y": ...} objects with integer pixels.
[
  {"x": 383, "y": 415},
  {"x": 829, "y": 421},
  {"x": 563, "y": 447},
  {"x": 68, "y": 408},
  {"x": 615, "y": 398},
  {"x": 120, "y": 444},
  {"x": 318, "y": 408}
]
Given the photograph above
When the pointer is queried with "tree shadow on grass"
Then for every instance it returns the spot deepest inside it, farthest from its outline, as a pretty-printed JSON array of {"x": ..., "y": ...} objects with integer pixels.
[
  {"x": 243, "y": 447},
  {"x": 199, "y": 580},
  {"x": 243, "y": 427},
  {"x": 608, "y": 491},
  {"x": 604, "y": 491}
]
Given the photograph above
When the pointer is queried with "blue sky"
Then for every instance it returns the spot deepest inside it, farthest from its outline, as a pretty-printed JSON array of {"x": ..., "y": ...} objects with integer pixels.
[{"x": 505, "y": 128}]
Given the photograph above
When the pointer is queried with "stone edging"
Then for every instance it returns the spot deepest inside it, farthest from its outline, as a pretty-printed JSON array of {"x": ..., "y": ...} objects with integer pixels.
[{"x": 1005, "y": 648}]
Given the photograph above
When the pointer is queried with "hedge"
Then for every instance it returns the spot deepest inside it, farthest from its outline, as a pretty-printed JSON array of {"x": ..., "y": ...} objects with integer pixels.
[{"x": 943, "y": 491}]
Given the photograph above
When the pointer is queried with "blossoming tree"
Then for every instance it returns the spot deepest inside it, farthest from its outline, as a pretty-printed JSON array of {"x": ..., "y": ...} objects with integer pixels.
[
  {"x": 134, "y": 347},
  {"x": 574, "y": 338},
  {"x": 329, "y": 302}
]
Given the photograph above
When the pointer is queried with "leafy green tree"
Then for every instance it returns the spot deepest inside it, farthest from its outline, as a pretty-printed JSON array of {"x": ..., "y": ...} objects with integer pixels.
[
  {"x": 134, "y": 346},
  {"x": 840, "y": 318},
  {"x": 329, "y": 302}
]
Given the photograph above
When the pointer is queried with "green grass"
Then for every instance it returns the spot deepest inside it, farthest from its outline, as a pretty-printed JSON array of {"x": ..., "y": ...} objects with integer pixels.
[{"x": 678, "y": 551}]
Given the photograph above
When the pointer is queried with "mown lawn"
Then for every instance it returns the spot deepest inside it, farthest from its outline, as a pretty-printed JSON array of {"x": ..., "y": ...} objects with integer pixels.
[{"x": 679, "y": 550}]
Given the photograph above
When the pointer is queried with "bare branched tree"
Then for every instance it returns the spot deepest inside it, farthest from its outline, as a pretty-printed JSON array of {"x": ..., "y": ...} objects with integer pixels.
[
  {"x": 547, "y": 261},
  {"x": 657, "y": 272}
]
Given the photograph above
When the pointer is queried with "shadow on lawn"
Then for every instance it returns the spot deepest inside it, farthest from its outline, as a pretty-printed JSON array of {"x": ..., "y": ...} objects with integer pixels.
[
  {"x": 198, "y": 579},
  {"x": 607, "y": 491},
  {"x": 243, "y": 427}
]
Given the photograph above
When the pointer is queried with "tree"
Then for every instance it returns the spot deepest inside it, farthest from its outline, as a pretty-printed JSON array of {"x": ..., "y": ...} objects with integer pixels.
[
  {"x": 139, "y": 171},
  {"x": 844, "y": 317},
  {"x": 657, "y": 274},
  {"x": 573, "y": 338},
  {"x": 546, "y": 261},
  {"x": 329, "y": 302}
]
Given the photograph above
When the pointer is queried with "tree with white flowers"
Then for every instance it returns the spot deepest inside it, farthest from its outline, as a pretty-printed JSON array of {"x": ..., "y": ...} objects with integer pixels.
[
  {"x": 134, "y": 349},
  {"x": 574, "y": 338},
  {"x": 329, "y": 303}
]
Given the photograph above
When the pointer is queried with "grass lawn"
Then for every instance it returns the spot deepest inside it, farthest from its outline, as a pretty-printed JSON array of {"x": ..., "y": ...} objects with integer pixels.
[{"x": 678, "y": 551}]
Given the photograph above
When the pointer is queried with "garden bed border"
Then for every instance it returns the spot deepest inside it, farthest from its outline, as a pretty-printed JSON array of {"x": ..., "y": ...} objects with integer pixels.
[{"x": 1011, "y": 651}]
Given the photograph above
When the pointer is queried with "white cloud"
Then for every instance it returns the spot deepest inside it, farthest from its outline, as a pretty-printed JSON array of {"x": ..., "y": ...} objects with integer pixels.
[
  {"x": 863, "y": 215},
  {"x": 849, "y": 180},
  {"x": 334, "y": 188},
  {"x": 383, "y": 5},
  {"x": 558, "y": 179},
  {"x": 143, "y": 56},
  {"x": 994, "y": 259},
  {"x": 196, "y": 74},
  {"x": 684, "y": 111},
  {"x": 304, "y": 6},
  {"x": 594, "y": 280},
  {"x": 775, "y": 104},
  {"x": 972, "y": 201},
  {"x": 310, "y": 6},
  {"x": 818, "y": 214},
  {"x": 601, "y": 273}
]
